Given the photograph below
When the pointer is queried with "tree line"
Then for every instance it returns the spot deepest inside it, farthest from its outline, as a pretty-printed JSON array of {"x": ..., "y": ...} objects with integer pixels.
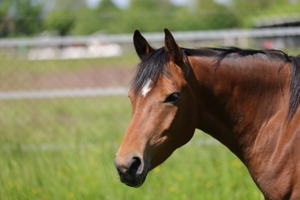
[{"x": 19, "y": 18}]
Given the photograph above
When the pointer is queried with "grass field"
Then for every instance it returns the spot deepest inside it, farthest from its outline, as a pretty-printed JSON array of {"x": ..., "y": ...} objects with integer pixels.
[
  {"x": 18, "y": 73},
  {"x": 21, "y": 64},
  {"x": 64, "y": 149}
]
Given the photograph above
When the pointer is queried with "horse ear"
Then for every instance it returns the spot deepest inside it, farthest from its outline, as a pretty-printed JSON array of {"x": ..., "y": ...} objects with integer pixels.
[
  {"x": 172, "y": 48},
  {"x": 141, "y": 45}
]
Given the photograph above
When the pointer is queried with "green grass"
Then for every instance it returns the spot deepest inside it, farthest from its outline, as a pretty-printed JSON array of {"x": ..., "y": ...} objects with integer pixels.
[
  {"x": 21, "y": 64},
  {"x": 64, "y": 149}
]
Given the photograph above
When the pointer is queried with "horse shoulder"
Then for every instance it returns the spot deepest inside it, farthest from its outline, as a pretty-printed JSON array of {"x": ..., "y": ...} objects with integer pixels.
[{"x": 275, "y": 165}]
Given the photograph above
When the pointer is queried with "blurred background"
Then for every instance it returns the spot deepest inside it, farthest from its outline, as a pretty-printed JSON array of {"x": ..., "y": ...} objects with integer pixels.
[{"x": 65, "y": 69}]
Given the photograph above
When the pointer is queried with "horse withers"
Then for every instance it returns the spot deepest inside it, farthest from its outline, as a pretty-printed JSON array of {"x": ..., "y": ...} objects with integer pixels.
[{"x": 246, "y": 99}]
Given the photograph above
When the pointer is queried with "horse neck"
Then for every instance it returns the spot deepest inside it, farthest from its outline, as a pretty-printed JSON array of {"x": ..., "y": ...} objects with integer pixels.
[{"x": 236, "y": 98}]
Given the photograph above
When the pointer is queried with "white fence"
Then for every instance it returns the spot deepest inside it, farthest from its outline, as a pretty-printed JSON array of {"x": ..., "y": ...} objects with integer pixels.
[
  {"x": 238, "y": 34},
  {"x": 44, "y": 94},
  {"x": 227, "y": 36}
]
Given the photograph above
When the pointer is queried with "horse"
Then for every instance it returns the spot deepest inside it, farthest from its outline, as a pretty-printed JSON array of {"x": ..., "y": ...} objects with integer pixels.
[{"x": 246, "y": 99}]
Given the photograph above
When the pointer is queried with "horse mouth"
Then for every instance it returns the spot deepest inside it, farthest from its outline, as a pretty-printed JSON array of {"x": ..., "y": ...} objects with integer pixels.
[{"x": 133, "y": 180}]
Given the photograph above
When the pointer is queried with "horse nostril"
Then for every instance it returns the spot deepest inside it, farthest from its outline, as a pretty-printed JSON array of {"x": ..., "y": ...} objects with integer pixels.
[
  {"x": 131, "y": 166},
  {"x": 134, "y": 165},
  {"x": 131, "y": 170}
]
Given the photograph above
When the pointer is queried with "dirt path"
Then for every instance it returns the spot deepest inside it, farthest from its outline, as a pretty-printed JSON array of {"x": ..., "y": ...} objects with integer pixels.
[{"x": 85, "y": 78}]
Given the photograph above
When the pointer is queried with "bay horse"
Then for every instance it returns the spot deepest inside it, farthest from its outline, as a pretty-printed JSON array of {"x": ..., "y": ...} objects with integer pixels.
[{"x": 246, "y": 99}]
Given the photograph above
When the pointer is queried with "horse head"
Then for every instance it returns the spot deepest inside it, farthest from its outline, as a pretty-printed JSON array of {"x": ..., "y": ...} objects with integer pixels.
[{"x": 164, "y": 110}]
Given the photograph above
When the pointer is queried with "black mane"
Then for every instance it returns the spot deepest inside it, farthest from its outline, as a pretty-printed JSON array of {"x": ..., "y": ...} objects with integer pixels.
[
  {"x": 156, "y": 63},
  {"x": 221, "y": 53},
  {"x": 150, "y": 67}
]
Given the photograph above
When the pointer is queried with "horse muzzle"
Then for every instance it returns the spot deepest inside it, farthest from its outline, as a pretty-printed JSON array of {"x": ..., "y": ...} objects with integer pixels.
[{"x": 132, "y": 170}]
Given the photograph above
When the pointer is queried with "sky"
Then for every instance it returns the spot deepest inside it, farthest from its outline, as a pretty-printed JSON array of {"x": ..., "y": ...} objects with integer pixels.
[{"x": 125, "y": 3}]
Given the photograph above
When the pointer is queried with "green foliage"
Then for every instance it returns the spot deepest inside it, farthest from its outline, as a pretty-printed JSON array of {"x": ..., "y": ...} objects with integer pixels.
[
  {"x": 73, "y": 17},
  {"x": 250, "y": 10},
  {"x": 24, "y": 20},
  {"x": 153, "y": 16},
  {"x": 150, "y": 6},
  {"x": 59, "y": 21},
  {"x": 105, "y": 18},
  {"x": 4, "y": 7},
  {"x": 28, "y": 19},
  {"x": 107, "y": 6}
]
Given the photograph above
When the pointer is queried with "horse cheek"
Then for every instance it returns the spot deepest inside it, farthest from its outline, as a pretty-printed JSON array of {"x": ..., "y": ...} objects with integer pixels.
[{"x": 185, "y": 123}]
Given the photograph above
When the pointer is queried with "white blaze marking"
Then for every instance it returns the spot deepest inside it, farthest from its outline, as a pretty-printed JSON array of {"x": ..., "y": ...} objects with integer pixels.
[{"x": 146, "y": 87}]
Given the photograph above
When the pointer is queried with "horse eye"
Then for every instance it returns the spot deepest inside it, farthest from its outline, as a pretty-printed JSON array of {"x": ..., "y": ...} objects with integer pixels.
[{"x": 172, "y": 97}]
